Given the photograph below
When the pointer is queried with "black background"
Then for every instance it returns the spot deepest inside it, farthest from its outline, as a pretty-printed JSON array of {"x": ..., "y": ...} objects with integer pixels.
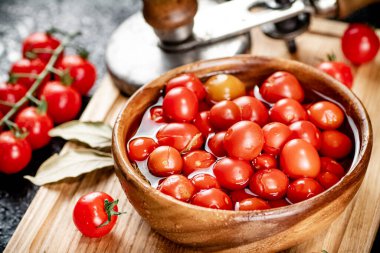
[{"x": 96, "y": 19}]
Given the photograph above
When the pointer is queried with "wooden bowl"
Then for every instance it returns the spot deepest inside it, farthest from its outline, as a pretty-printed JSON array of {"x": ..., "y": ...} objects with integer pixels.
[{"x": 266, "y": 230}]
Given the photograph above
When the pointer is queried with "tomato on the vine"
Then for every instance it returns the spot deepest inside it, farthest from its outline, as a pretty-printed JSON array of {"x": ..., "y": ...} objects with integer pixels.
[
  {"x": 338, "y": 70},
  {"x": 360, "y": 43},
  {"x": 15, "y": 153},
  {"x": 29, "y": 68},
  {"x": 140, "y": 148},
  {"x": 177, "y": 186},
  {"x": 165, "y": 161},
  {"x": 64, "y": 102},
  {"x": 10, "y": 93},
  {"x": 95, "y": 214},
  {"x": 39, "y": 45},
  {"x": 190, "y": 81},
  {"x": 180, "y": 105},
  {"x": 37, "y": 123},
  {"x": 80, "y": 70},
  {"x": 212, "y": 198}
]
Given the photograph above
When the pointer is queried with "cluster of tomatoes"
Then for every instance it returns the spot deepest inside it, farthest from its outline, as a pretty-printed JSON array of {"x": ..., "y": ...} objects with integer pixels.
[
  {"x": 57, "y": 100},
  {"x": 219, "y": 147}
]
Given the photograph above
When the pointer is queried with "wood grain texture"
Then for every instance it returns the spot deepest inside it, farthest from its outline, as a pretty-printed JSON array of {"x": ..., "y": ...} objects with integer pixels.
[{"x": 47, "y": 225}]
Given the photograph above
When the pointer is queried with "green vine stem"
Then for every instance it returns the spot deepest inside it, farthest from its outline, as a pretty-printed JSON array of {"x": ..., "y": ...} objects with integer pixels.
[{"x": 38, "y": 81}]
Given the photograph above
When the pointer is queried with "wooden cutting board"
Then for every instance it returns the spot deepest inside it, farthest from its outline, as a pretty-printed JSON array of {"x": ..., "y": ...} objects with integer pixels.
[{"x": 47, "y": 225}]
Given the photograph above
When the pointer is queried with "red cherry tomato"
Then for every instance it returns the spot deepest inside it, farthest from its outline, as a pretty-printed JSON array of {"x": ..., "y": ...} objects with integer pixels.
[
  {"x": 252, "y": 204},
  {"x": 15, "y": 153},
  {"x": 184, "y": 137},
  {"x": 278, "y": 203},
  {"x": 180, "y": 105},
  {"x": 41, "y": 45},
  {"x": 215, "y": 143},
  {"x": 157, "y": 114},
  {"x": 332, "y": 166},
  {"x": 37, "y": 124},
  {"x": 299, "y": 158},
  {"x": 81, "y": 70},
  {"x": 338, "y": 70},
  {"x": 197, "y": 160},
  {"x": 224, "y": 114},
  {"x": 232, "y": 174},
  {"x": 165, "y": 161},
  {"x": 360, "y": 43},
  {"x": 95, "y": 214},
  {"x": 212, "y": 198},
  {"x": 10, "y": 93},
  {"x": 240, "y": 195},
  {"x": 140, "y": 148},
  {"x": 335, "y": 144},
  {"x": 280, "y": 85},
  {"x": 190, "y": 81},
  {"x": 326, "y": 115},
  {"x": 302, "y": 189},
  {"x": 202, "y": 122},
  {"x": 178, "y": 187},
  {"x": 244, "y": 140},
  {"x": 269, "y": 183},
  {"x": 64, "y": 103},
  {"x": 252, "y": 109},
  {"x": 287, "y": 111},
  {"x": 275, "y": 136},
  {"x": 204, "y": 182},
  {"x": 264, "y": 161},
  {"x": 31, "y": 67},
  {"x": 327, "y": 179},
  {"x": 306, "y": 131}
]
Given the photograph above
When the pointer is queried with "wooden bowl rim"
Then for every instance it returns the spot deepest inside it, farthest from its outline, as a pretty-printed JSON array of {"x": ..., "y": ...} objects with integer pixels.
[{"x": 316, "y": 202}]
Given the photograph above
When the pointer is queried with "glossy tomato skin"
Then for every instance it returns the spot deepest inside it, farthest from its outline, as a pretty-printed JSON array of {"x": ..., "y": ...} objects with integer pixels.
[
  {"x": 287, "y": 111},
  {"x": 326, "y": 115},
  {"x": 178, "y": 187},
  {"x": 204, "y": 181},
  {"x": 181, "y": 136},
  {"x": 280, "y": 85},
  {"x": 299, "y": 159},
  {"x": 224, "y": 114},
  {"x": 26, "y": 66},
  {"x": 81, "y": 70},
  {"x": 275, "y": 136},
  {"x": 89, "y": 214},
  {"x": 335, "y": 144},
  {"x": 360, "y": 43},
  {"x": 10, "y": 93},
  {"x": 338, "y": 70},
  {"x": 244, "y": 140},
  {"x": 252, "y": 109},
  {"x": 306, "y": 131},
  {"x": 302, "y": 189},
  {"x": 180, "y": 105},
  {"x": 37, "y": 124},
  {"x": 332, "y": 166},
  {"x": 269, "y": 184},
  {"x": 215, "y": 143},
  {"x": 212, "y": 198},
  {"x": 240, "y": 195},
  {"x": 232, "y": 174},
  {"x": 202, "y": 122},
  {"x": 278, "y": 203},
  {"x": 190, "y": 81},
  {"x": 224, "y": 87},
  {"x": 327, "y": 179},
  {"x": 140, "y": 148},
  {"x": 37, "y": 41},
  {"x": 251, "y": 204},
  {"x": 15, "y": 153},
  {"x": 196, "y": 160},
  {"x": 165, "y": 161},
  {"x": 157, "y": 114},
  {"x": 264, "y": 161}
]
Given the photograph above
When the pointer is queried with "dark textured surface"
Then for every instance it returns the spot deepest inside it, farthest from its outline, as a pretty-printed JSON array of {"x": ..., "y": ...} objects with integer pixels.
[
  {"x": 96, "y": 19},
  {"x": 18, "y": 18}
]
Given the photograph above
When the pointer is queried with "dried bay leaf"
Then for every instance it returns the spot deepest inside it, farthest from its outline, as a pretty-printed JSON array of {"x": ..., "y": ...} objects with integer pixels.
[
  {"x": 71, "y": 164},
  {"x": 93, "y": 134}
]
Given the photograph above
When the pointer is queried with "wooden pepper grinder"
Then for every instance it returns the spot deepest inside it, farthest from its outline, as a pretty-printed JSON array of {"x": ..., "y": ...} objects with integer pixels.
[{"x": 172, "y": 20}]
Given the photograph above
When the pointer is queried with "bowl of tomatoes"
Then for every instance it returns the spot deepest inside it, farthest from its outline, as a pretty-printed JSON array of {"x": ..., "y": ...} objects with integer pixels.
[{"x": 244, "y": 152}]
